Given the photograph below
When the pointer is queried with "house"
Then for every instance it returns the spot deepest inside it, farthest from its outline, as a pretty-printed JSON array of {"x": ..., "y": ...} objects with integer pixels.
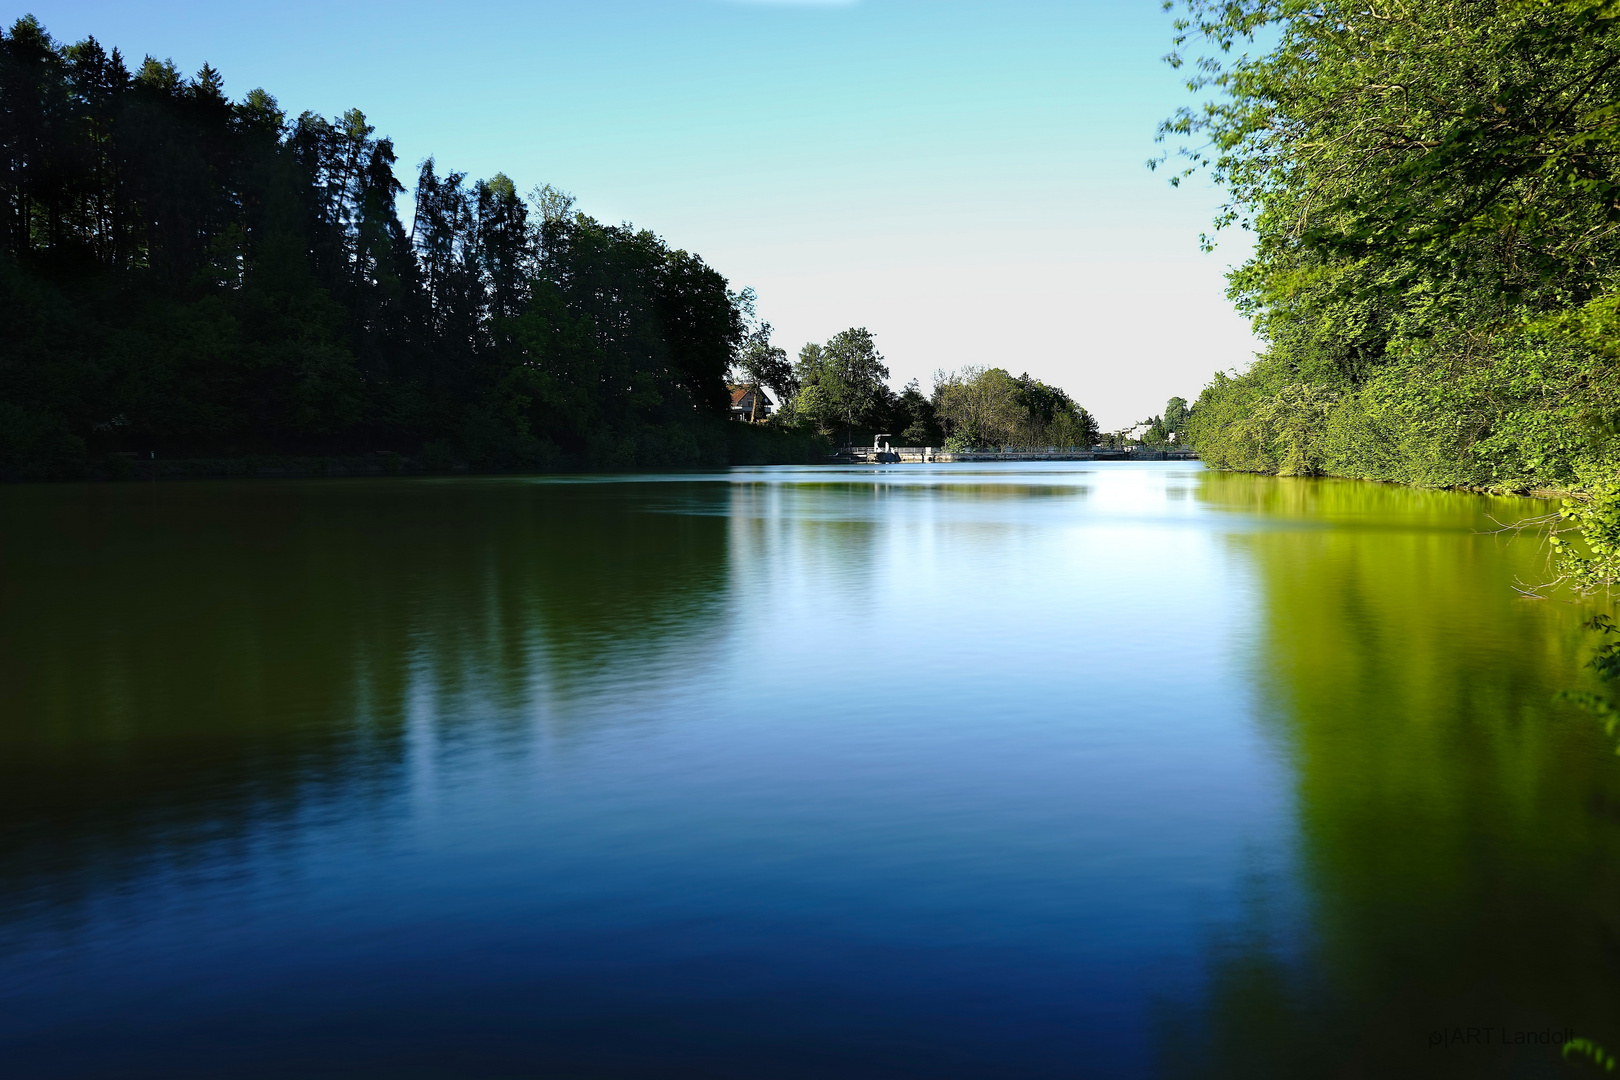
[{"x": 749, "y": 403}]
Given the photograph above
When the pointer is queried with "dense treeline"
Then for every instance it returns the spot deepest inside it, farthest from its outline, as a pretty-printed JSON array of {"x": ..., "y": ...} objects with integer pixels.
[
  {"x": 1435, "y": 194},
  {"x": 188, "y": 275},
  {"x": 839, "y": 388},
  {"x": 981, "y": 406}
]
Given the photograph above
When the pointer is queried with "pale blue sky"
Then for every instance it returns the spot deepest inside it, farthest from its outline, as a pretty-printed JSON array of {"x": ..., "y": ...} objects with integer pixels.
[{"x": 964, "y": 178}]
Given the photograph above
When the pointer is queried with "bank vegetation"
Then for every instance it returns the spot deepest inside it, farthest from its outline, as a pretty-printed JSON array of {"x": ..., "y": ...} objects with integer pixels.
[{"x": 1434, "y": 191}]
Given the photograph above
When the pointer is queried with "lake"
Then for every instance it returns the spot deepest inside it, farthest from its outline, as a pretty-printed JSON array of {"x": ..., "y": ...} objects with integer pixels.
[{"x": 1052, "y": 770}]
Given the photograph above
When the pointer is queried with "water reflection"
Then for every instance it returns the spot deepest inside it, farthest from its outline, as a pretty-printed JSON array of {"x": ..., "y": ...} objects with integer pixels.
[
  {"x": 1454, "y": 874},
  {"x": 866, "y": 772},
  {"x": 217, "y": 658},
  {"x": 773, "y": 772}
]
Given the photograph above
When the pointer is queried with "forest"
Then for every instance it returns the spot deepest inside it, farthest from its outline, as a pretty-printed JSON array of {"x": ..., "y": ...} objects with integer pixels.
[
  {"x": 185, "y": 276},
  {"x": 1434, "y": 195},
  {"x": 840, "y": 390}
]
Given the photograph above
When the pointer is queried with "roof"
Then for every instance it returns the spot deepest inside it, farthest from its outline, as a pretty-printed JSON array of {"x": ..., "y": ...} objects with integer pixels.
[{"x": 739, "y": 396}]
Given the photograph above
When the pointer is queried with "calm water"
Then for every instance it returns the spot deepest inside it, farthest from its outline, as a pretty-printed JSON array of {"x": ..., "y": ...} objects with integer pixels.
[{"x": 1044, "y": 771}]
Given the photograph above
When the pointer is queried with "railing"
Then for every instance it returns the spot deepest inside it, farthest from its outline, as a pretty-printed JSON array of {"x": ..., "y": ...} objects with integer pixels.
[{"x": 913, "y": 454}]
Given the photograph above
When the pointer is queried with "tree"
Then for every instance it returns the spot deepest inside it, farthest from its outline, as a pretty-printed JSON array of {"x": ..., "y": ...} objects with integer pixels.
[
  {"x": 181, "y": 271},
  {"x": 1051, "y": 417},
  {"x": 857, "y": 372},
  {"x": 809, "y": 403},
  {"x": 1434, "y": 189},
  {"x": 979, "y": 406},
  {"x": 504, "y": 245},
  {"x": 916, "y": 418},
  {"x": 701, "y": 327},
  {"x": 757, "y": 362},
  {"x": 1175, "y": 417},
  {"x": 841, "y": 382},
  {"x": 1072, "y": 427},
  {"x": 761, "y": 364}
]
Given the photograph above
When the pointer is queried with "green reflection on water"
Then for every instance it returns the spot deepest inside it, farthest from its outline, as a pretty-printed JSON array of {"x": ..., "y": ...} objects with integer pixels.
[
  {"x": 1457, "y": 832},
  {"x": 181, "y": 661}
]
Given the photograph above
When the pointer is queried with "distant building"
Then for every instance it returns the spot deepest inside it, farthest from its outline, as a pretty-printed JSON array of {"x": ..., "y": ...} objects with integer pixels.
[{"x": 742, "y": 403}]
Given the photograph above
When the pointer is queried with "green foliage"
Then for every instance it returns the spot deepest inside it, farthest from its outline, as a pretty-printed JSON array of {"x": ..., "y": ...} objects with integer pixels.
[
  {"x": 1049, "y": 417},
  {"x": 1593, "y": 565},
  {"x": 917, "y": 418},
  {"x": 1176, "y": 414},
  {"x": 188, "y": 276},
  {"x": 838, "y": 389},
  {"x": 1170, "y": 427},
  {"x": 988, "y": 407},
  {"x": 1435, "y": 192},
  {"x": 758, "y": 363},
  {"x": 840, "y": 384},
  {"x": 979, "y": 407}
]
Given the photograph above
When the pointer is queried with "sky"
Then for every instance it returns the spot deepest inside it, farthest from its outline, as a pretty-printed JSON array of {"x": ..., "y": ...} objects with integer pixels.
[{"x": 965, "y": 179}]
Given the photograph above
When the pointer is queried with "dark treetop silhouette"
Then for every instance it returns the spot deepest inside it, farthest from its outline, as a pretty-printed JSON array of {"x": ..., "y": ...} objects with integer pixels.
[{"x": 191, "y": 276}]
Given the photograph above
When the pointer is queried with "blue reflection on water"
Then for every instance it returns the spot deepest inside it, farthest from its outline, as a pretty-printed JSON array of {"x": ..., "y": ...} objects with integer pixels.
[{"x": 913, "y": 771}]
